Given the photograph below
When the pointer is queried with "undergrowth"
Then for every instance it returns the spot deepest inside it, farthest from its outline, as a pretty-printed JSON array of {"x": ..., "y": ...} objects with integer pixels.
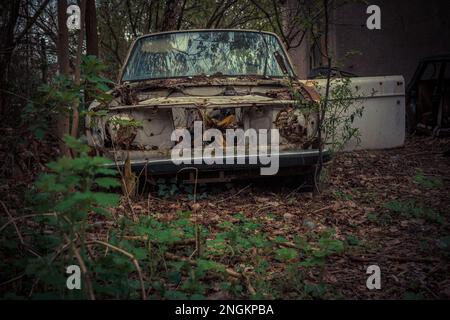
[{"x": 72, "y": 219}]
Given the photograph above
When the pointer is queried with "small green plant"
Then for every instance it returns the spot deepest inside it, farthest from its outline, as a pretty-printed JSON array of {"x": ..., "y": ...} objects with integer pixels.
[
  {"x": 337, "y": 126},
  {"x": 410, "y": 209},
  {"x": 333, "y": 117},
  {"x": 118, "y": 122},
  {"x": 409, "y": 295},
  {"x": 444, "y": 244},
  {"x": 171, "y": 188},
  {"x": 286, "y": 254},
  {"x": 68, "y": 188},
  {"x": 317, "y": 255},
  {"x": 339, "y": 195},
  {"x": 353, "y": 240},
  {"x": 340, "y": 115},
  {"x": 372, "y": 217},
  {"x": 59, "y": 96},
  {"x": 425, "y": 181}
]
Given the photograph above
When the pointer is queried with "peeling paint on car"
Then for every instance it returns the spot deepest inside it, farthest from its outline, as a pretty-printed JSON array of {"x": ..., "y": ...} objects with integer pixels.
[{"x": 162, "y": 105}]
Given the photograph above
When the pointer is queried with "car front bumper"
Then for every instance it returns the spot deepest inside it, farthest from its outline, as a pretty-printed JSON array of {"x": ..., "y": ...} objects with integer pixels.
[{"x": 286, "y": 159}]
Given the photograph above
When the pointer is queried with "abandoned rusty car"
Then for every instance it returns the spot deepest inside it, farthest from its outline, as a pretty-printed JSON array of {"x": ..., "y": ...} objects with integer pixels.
[{"x": 228, "y": 79}]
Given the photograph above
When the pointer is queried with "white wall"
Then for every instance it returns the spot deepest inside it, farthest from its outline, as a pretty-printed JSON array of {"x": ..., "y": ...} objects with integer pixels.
[{"x": 382, "y": 124}]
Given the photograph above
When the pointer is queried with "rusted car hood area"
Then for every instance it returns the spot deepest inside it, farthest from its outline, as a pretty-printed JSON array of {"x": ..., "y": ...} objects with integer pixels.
[
  {"x": 161, "y": 106},
  {"x": 207, "y": 101},
  {"x": 196, "y": 89}
]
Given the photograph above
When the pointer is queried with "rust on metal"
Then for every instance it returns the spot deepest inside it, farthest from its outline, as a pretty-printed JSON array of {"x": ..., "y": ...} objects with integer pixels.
[{"x": 220, "y": 101}]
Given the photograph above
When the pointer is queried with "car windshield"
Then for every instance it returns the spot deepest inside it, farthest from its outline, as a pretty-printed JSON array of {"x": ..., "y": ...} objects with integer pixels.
[{"x": 184, "y": 54}]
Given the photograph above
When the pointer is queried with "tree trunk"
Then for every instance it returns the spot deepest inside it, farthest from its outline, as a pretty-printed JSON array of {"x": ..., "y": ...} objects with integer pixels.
[
  {"x": 172, "y": 13},
  {"x": 9, "y": 13},
  {"x": 44, "y": 60},
  {"x": 323, "y": 105},
  {"x": 91, "y": 28},
  {"x": 62, "y": 121},
  {"x": 77, "y": 77}
]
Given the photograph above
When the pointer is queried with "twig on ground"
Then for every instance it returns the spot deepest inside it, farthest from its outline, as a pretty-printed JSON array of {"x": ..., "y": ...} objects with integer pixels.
[
  {"x": 234, "y": 195},
  {"x": 322, "y": 209},
  {"x": 145, "y": 238},
  {"x": 295, "y": 190},
  {"x": 83, "y": 267},
  {"x": 399, "y": 259},
  {"x": 12, "y": 279},
  {"x": 24, "y": 217},
  {"x": 228, "y": 271},
  {"x": 133, "y": 260},
  {"x": 11, "y": 219}
]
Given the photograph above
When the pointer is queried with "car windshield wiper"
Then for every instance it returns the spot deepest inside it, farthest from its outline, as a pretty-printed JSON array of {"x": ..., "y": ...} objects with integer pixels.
[
  {"x": 280, "y": 62},
  {"x": 267, "y": 55}
]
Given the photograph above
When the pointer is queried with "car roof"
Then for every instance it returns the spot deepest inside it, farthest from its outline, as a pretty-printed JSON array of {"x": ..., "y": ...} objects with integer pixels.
[
  {"x": 206, "y": 30},
  {"x": 436, "y": 58}
]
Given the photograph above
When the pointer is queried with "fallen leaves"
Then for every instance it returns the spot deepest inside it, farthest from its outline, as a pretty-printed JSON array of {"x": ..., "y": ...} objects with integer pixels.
[
  {"x": 353, "y": 204},
  {"x": 412, "y": 252}
]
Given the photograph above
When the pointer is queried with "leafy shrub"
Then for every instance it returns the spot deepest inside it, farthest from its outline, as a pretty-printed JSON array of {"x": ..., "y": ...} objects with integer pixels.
[
  {"x": 410, "y": 209},
  {"x": 59, "y": 96}
]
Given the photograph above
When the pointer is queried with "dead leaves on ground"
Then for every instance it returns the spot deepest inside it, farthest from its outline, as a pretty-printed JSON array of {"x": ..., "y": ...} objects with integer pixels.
[{"x": 406, "y": 248}]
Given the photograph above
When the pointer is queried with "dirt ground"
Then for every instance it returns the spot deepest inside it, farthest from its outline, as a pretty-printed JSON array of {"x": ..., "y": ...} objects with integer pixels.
[{"x": 391, "y": 206}]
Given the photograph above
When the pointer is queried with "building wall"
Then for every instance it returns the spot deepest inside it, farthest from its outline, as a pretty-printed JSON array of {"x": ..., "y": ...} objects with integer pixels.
[{"x": 410, "y": 30}]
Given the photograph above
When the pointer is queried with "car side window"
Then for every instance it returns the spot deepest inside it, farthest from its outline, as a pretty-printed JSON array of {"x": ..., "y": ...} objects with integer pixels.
[{"x": 431, "y": 71}]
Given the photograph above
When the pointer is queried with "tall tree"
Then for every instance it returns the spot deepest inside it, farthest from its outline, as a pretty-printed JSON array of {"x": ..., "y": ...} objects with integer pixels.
[
  {"x": 91, "y": 28},
  {"x": 77, "y": 73},
  {"x": 172, "y": 15},
  {"x": 62, "y": 121},
  {"x": 11, "y": 34},
  {"x": 9, "y": 15}
]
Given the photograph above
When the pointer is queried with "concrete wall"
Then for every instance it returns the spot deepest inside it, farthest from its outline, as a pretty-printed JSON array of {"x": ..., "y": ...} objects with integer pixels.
[{"x": 410, "y": 30}]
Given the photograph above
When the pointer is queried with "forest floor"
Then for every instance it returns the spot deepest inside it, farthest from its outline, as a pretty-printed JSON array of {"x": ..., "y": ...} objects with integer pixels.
[{"x": 390, "y": 207}]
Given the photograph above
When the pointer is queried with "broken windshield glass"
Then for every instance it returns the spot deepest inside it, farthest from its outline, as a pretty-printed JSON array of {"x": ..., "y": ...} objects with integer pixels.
[{"x": 228, "y": 53}]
